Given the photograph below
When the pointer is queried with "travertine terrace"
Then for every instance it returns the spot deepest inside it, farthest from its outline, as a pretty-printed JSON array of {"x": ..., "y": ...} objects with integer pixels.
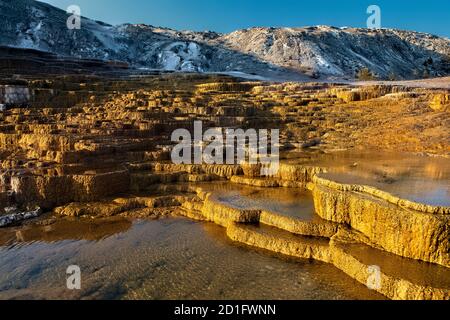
[{"x": 98, "y": 146}]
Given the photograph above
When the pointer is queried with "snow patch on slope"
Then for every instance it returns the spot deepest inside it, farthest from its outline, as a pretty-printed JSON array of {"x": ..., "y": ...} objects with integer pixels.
[{"x": 316, "y": 51}]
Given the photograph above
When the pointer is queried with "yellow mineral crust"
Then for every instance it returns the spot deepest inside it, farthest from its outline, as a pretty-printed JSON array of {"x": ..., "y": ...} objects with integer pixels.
[
  {"x": 440, "y": 102},
  {"x": 215, "y": 211},
  {"x": 308, "y": 248},
  {"x": 398, "y": 229},
  {"x": 407, "y": 204},
  {"x": 88, "y": 147},
  {"x": 315, "y": 228},
  {"x": 374, "y": 224},
  {"x": 335, "y": 252},
  {"x": 51, "y": 191}
]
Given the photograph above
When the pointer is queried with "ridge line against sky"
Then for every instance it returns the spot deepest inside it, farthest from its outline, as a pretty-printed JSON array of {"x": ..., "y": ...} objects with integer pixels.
[{"x": 225, "y": 16}]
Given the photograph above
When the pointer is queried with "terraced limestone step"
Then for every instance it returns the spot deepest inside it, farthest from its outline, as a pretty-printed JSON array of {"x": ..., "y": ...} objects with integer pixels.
[
  {"x": 279, "y": 241},
  {"x": 420, "y": 233},
  {"x": 290, "y": 210},
  {"x": 399, "y": 278},
  {"x": 396, "y": 277}
]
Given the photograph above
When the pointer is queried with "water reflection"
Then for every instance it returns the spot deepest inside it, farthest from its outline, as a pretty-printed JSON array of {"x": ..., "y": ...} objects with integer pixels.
[
  {"x": 415, "y": 177},
  {"x": 290, "y": 202},
  {"x": 65, "y": 229},
  {"x": 171, "y": 258}
]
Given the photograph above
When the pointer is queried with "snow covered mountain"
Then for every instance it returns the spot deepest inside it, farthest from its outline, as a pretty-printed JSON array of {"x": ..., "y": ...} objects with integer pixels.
[{"x": 269, "y": 52}]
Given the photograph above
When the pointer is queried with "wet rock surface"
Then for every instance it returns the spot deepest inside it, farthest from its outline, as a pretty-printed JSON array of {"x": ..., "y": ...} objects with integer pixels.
[{"x": 11, "y": 218}]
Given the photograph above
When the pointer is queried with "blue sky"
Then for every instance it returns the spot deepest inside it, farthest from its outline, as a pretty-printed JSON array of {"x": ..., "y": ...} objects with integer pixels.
[{"x": 431, "y": 16}]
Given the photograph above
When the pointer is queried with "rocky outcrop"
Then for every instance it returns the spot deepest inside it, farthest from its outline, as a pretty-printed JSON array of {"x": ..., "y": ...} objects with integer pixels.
[
  {"x": 367, "y": 92},
  {"x": 287, "y": 175},
  {"x": 213, "y": 210},
  {"x": 51, "y": 191},
  {"x": 386, "y": 196},
  {"x": 395, "y": 228},
  {"x": 15, "y": 217},
  {"x": 10, "y": 95},
  {"x": 130, "y": 207},
  {"x": 440, "y": 102},
  {"x": 223, "y": 171}
]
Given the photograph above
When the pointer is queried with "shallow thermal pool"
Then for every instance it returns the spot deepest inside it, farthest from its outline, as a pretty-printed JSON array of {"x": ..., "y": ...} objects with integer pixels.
[
  {"x": 171, "y": 258},
  {"x": 414, "y": 177},
  {"x": 290, "y": 202}
]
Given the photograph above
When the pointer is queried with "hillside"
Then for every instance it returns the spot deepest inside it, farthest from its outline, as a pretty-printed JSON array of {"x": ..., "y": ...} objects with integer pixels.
[{"x": 289, "y": 53}]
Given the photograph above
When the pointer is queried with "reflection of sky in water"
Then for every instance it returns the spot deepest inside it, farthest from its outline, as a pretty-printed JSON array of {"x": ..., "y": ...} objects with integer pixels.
[
  {"x": 293, "y": 203},
  {"x": 414, "y": 177},
  {"x": 433, "y": 192},
  {"x": 171, "y": 258}
]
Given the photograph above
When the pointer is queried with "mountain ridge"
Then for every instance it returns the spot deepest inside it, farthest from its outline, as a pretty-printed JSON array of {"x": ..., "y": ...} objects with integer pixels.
[{"x": 318, "y": 52}]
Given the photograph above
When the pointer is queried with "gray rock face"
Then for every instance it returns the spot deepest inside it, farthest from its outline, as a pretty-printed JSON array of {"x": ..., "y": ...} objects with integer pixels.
[
  {"x": 16, "y": 216},
  {"x": 13, "y": 95},
  {"x": 342, "y": 52},
  {"x": 269, "y": 52}
]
